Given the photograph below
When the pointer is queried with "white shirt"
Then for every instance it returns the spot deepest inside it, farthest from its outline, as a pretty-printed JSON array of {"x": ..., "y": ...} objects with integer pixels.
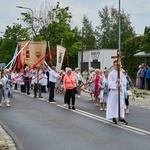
[
  {"x": 53, "y": 76},
  {"x": 78, "y": 76},
  {"x": 44, "y": 80}
]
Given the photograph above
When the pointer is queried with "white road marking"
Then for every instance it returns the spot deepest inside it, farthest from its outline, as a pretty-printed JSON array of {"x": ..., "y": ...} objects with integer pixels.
[
  {"x": 98, "y": 118},
  {"x": 101, "y": 119}
]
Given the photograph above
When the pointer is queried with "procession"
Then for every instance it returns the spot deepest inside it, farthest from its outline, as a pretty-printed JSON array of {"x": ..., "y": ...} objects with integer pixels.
[
  {"x": 103, "y": 86},
  {"x": 74, "y": 75}
]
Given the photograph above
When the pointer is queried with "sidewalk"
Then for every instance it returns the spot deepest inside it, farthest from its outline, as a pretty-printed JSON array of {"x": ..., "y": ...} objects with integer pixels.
[
  {"x": 6, "y": 142},
  {"x": 139, "y": 102}
]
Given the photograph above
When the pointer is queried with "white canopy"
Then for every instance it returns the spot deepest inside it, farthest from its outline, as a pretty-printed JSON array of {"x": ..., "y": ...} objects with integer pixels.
[{"x": 142, "y": 54}]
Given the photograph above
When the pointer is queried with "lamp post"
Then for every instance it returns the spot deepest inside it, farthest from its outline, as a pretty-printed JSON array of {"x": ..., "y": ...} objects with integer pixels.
[
  {"x": 32, "y": 18},
  {"x": 82, "y": 49},
  {"x": 119, "y": 29}
]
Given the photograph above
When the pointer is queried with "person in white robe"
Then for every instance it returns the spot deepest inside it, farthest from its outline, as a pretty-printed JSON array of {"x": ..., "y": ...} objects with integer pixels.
[
  {"x": 44, "y": 82},
  {"x": 112, "y": 102}
]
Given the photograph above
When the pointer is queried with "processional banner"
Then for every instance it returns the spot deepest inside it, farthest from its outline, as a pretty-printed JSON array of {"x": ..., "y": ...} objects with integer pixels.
[
  {"x": 60, "y": 56},
  {"x": 32, "y": 53}
]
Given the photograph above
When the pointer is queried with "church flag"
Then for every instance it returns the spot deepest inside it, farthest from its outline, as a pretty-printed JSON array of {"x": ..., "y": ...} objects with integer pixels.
[
  {"x": 33, "y": 53},
  {"x": 60, "y": 56}
]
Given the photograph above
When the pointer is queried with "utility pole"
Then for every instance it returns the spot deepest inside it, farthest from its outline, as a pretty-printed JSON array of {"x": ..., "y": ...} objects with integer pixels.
[
  {"x": 119, "y": 29},
  {"x": 82, "y": 49}
]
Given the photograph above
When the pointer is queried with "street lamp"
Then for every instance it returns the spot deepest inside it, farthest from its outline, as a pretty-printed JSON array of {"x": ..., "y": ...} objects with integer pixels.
[
  {"x": 32, "y": 18},
  {"x": 119, "y": 29},
  {"x": 82, "y": 49}
]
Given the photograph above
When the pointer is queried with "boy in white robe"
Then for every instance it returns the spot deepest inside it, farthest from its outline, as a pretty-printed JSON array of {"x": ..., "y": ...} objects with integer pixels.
[{"x": 112, "y": 102}]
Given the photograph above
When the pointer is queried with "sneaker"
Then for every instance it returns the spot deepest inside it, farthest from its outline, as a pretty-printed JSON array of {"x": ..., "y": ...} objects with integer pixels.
[
  {"x": 114, "y": 120},
  {"x": 78, "y": 96},
  {"x": 101, "y": 108},
  {"x": 122, "y": 121},
  {"x": 69, "y": 107},
  {"x": 34, "y": 96},
  {"x": 65, "y": 105},
  {"x": 8, "y": 105},
  {"x": 40, "y": 97},
  {"x": 52, "y": 101},
  {"x": 0, "y": 105},
  {"x": 91, "y": 99},
  {"x": 127, "y": 111}
]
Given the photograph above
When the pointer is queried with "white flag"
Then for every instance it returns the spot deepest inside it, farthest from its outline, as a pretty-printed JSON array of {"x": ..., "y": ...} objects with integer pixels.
[{"x": 60, "y": 56}]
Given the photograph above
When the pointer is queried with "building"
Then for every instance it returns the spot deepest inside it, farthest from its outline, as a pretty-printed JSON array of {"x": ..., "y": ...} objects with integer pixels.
[{"x": 97, "y": 59}]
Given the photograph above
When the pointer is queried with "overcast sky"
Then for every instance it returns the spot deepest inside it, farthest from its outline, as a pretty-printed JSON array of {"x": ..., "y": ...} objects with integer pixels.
[{"x": 138, "y": 9}]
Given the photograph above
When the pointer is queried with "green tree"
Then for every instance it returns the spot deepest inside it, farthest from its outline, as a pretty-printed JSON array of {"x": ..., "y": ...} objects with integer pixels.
[
  {"x": 59, "y": 32},
  {"x": 89, "y": 37},
  {"x": 107, "y": 32},
  {"x": 128, "y": 49},
  {"x": 53, "y": 24},
  {"x": 132, "y": 46},
  {"x": 147, "y": 30},
  {"x": 11, "y": 37}
]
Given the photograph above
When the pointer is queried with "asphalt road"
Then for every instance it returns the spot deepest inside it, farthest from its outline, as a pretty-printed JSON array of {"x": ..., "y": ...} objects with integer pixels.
[{"x": 35, "y": 124}]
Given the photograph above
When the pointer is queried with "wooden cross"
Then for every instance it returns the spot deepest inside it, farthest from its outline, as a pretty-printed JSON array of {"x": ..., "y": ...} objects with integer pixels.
[{"x": 118, "y": 57}]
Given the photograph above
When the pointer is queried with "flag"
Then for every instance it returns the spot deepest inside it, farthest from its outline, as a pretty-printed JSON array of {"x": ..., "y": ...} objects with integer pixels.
[{"x": 60, "y": 56}]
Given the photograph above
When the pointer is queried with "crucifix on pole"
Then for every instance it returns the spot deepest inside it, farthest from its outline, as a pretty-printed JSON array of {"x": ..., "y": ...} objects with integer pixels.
[{"x": 118, "y": 57}]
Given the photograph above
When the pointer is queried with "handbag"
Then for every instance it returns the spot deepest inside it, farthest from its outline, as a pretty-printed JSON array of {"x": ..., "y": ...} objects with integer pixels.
[
  {"x": 75, "y": 88},
  {"x": 129, "y": 92},
  {"x": 76, "y": 91}
]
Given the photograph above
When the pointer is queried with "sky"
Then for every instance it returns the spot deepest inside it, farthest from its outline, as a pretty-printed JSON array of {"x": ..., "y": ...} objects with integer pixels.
[{"x": 138, "y": 9}]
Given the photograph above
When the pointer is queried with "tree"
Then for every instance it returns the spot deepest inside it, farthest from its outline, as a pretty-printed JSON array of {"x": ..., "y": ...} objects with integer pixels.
[
  {"x": 147, "y": 30},
  {"x": 53, "y": 24},
  {"x": 89, "y": 37},
  {"x": 16, "y": 33},
  {"x": 129, "y": 62},
  {"x": 107, "y": 32},
  {"x": 11, "y": 37},
  {"x": 132, "y": 46},
  {"x": 38, "y": 19},
  {"x": 59, "y": 32}
]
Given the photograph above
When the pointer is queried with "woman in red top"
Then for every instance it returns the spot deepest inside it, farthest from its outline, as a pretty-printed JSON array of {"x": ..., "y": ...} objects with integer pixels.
[
  {"x": 69, "y": 84},
  {"x": 97, "y": 85}
]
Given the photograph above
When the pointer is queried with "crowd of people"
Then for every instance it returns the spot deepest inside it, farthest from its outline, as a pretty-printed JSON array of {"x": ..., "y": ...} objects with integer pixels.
[
  {"x": 143, "y": 74},
  {"x": 102, "y": 86}
]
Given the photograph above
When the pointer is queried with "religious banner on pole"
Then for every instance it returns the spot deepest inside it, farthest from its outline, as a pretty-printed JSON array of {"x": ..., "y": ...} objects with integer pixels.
[
  {"x": 60, "y": 56},
  {"x": 33, "y": 53}
]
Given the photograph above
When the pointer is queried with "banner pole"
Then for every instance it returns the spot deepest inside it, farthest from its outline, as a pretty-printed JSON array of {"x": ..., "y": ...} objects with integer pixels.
[{"x": 17, "y": 55}]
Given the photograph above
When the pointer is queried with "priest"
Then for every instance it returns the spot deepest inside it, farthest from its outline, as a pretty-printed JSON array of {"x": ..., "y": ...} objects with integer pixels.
[{"x": 112, "y": 103}]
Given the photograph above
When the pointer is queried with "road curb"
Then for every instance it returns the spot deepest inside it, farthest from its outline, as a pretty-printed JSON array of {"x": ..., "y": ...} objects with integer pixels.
[{"x": 6, "y": 142}]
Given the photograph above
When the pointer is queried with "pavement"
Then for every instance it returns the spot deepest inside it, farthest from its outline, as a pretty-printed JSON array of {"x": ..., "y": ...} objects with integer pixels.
[{"x": 7, "y": 143}]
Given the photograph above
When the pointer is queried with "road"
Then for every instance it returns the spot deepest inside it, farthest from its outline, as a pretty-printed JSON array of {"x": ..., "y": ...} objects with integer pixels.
[{"x": 35, "y": 124}]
